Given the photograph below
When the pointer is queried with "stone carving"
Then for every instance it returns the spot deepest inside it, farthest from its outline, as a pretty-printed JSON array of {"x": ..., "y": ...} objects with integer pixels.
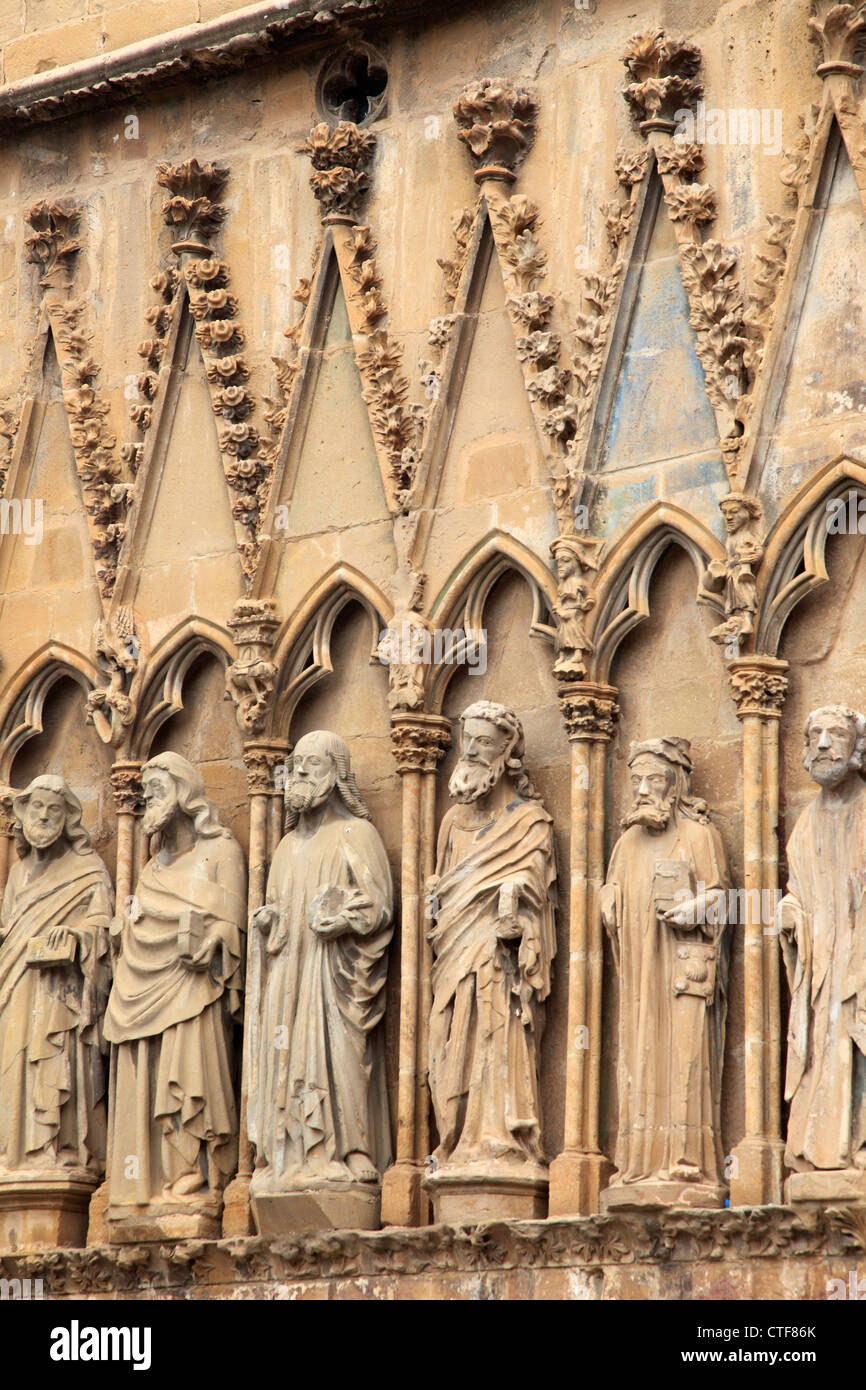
[
  {"x": 177, "y": 988},
  {"x": 53, "y": 243},
  {"x": 822, "y": 922},
  {"x": 462, "y": 224},
  {"x": 758, "y": 316},
  {"x": 340, "y": 156},
  {"x": 663, "y": 905},
  {"x": 496, "y": 121},
  {"x": 159, "y": 318},
  {"x": 110, "y": 708},
  {"x": 250, "y": 679},
  {"x": 405, "y": 645},
  {"x": 54, "y": 979},
  {"x": 837, "y": 31},
  {"x": 492, "y": 932},
  {"x": 734, "y": 576},
  {"x": 574, "y": 556},
  {"x": 664, "y": 71},
  {"x": 317, "y": 1106},
  {"x": 192, "y": 207}
]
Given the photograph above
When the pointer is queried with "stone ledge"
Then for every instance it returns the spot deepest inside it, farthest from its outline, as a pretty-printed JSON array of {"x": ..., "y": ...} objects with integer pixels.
[
  {"x": 201, "y": 52},
  {"x": 258, "y": 1267}
]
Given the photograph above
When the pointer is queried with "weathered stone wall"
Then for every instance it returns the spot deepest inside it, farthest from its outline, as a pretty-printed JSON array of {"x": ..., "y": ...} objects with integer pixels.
[{"x": 681, "y": 395}]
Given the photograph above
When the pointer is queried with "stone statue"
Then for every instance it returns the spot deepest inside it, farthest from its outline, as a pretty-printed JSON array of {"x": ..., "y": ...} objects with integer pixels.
[
  {"x": 664, "y": 906},
  {"x": 177, "y": 988},
  {"x": 574, "y": 556},
  {"x": 492, "y": 907},
  {"x": 822, "y": 921},
  {"x": 733, "y": 576},
  {"x": 54, "y": 981},
  {"x": 317, "y": 1105}
]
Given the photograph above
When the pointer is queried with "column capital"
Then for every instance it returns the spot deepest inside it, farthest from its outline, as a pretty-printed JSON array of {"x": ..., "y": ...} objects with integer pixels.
[
  {"x": 758, "y": 685},
  {"x": 419, "y": 740},
  {"x": 126, "y": 785},
  {"x": 590, "y": 710},
  {"x": 261, "y": 759}
]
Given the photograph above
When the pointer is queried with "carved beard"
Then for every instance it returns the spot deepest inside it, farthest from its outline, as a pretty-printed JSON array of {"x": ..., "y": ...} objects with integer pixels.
[
  {"x": 303, "y": 793},
  {"x": 156, "y": 818},
  {"x": 41, "y": 836},
  {"x": 826, "y": 770},
  {"x": 469, "y": 780},
  {"x": 652, "y": 815}
]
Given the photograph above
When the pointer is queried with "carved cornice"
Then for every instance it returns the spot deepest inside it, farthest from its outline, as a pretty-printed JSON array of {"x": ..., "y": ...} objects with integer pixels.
[
  {"x": 261, "y": 761},
  {"x": 759, "y": 685},
  {"x": 838, "y": 31},
  {"x": 664, "y": 83},
  {"x": 53, "y": 245},
  {"x": 199, "y": 52},
  {"x": 589, "y": 710},
  {"x": 250, "y": 678},
  {"x": 340, "y": 156},
  {"x": 496, "y": 121},
  {"x": 419, "y": 741},
  {"x": 126, "y": 786},
  {"x": 680, "y": 1237}
]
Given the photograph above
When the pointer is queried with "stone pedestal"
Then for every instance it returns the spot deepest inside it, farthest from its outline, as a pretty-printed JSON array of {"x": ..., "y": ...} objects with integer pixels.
[
  {"x": 466, "y": 1196},
  {"x": 403, "y": 1201},
  {"x": 44, "y": 1211},
  {"x": 655, "y": 1193},
  {"x": 576, "y": 1183},
  {"x": 130, "y": 1225},
  {"x": 329, "y": 1207},
  {"x": 237, "y": 1219},
  {"x": 756, "y": 1172},
  {"x": 827, "y": 1185}
]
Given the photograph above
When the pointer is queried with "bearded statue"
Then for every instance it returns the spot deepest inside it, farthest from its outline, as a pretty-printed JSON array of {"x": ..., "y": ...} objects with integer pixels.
[
  {"x": 317, "y": 1107},
  {"x": 664, "y": 906},
  {"x": 492, "y": 932}
]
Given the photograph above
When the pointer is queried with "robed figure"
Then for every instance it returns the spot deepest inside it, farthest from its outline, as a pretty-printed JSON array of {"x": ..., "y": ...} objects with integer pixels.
[
  {"x": 177, "y": 990},
  {"x": 317, "y": 1108},
  {"x": 823, "y": 936},
  {"x": 54, "y": 980},
  {"x": 664, "y": 906},
  {"x": 492, "y": 932}
]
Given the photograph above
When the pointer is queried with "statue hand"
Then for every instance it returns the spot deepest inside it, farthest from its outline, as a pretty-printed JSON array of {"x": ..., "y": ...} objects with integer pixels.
[
  {"x": 58, "y": 939},
  {"x": 205, "y": 953},
  {"x": 264, "y": 917},
  {"x": 330, "y": 927},
  {"x": 607, "y": 903}
]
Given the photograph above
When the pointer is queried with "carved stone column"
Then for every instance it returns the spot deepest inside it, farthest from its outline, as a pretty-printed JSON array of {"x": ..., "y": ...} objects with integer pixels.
[
  {"x": 262, "y": 759},
  {"x": 419, "y": 742},
  {"x": 126, "y": 786},
  {"x": 580, "y": 1172},
  {"x": 7, "y": 821},
  {"x": 759, "y": 684}
]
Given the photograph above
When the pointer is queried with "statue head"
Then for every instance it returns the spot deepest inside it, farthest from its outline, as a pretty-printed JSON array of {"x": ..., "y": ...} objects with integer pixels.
[
  {"x": 739, "y": 510},
  {"x": 46, "y": 810},
  {"x": 320, "y": 769},
  {"x": 173, "y": 787},
  {"x": 491, "y": 743},
  {"x": 835, "y": 738},
  {"x": 661, "y": 783}
]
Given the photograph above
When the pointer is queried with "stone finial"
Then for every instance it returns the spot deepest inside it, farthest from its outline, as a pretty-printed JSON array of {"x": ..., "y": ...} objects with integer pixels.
[
  {"x": 52, "y": 244},
  {"x": 192, "y": 206},
  {"x": 340, "y": 156},
  {"x": 664, "y": 82},
  {"x": 496, "y": 121},
  {"x": 837, "y": 30},
  {"x": 250, "y": 679}
]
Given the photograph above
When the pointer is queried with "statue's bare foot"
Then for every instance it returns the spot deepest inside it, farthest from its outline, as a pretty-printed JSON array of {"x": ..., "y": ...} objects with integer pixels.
[
  {"x": 185, "y": 1186},
  {"x": 361, "y": 1167},
  {"x": 685, "y": 1172}
]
